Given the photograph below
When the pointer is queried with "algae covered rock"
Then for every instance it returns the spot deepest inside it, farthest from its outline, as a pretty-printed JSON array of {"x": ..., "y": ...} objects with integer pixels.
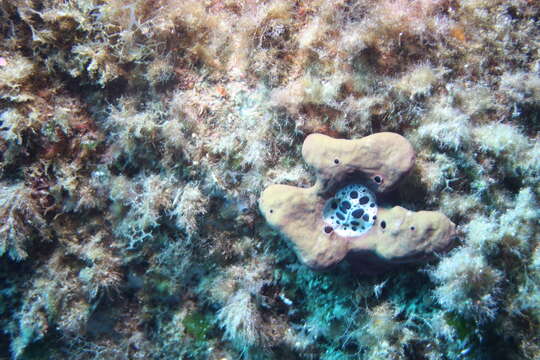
[{"x": 339, "y": 214}]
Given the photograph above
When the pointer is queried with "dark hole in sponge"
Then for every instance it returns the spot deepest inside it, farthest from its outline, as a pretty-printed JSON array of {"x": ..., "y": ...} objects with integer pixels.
[
  {"x": 358, "y": 213},
  {"x": 413, "y": 228},
  {"x": 336, "y": 161},
  {"x": 354, "y": 194},
  {"x": 377, "y": 179},
  {"x": 365, "y": 217},
  {"x": 363, "y": 200},
  {"x": 328, "y": 229},
  {"x": 383, "y": 224},
  {"x": 340, "y": 216},
  {"x": 345, "y": 205}
]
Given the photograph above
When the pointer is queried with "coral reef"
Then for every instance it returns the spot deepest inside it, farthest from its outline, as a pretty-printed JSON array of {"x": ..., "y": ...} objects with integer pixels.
[
  {"x": 384, "y": 235},
  {"x": 136, "y": 137}
]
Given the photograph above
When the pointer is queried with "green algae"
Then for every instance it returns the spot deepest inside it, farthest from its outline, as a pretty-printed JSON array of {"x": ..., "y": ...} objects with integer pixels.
[{"x": 198, "y": 325}]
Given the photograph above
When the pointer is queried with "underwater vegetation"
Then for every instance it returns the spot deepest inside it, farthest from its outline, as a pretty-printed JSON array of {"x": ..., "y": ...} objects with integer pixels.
[{"x": 136, "y": 138}]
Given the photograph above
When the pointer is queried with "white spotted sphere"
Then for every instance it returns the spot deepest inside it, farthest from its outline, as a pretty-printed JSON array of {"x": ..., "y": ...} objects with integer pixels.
[{"x": 351, "y": 212}]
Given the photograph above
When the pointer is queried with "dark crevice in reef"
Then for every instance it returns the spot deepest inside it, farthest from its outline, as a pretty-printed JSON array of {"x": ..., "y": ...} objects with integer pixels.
[
  {"x": 530, "y": 118},
  {"x": 513, "y": 183},
  {"x": 49, "y": 347},
  {"x": 96, "y": 97},
  {"x": 14, "y": 278}
]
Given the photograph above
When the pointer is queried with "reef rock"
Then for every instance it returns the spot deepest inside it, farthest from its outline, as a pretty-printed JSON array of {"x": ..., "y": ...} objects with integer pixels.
[{"x": 339, "y": 215}]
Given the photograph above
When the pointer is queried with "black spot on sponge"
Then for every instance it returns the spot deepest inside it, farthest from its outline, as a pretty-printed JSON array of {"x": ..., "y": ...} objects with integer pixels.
[
  {"x": 345, "y": 205},
  {"x": 340, "y": 216},
  {"x": 334, "y": 205},
  {"x": 358, "y": 213},
  {"x": 365, "y": 217},
  {"x": 363, "y": 200},
  {"x": 383, "y": 224},
  {"x": 328, "y": 229},
  {"x": 354, "y": 194}
]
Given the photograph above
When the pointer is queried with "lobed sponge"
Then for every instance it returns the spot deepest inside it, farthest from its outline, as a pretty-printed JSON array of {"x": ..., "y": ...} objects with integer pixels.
[{"x": 339, "y": 215}]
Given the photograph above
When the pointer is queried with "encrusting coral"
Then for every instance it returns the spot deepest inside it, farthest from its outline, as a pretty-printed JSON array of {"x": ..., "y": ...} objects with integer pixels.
[{"x": 394, "y": 235}]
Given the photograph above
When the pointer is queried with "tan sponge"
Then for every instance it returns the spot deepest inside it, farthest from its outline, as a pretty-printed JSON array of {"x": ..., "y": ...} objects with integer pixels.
[{"x": 339, "y": 215}]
